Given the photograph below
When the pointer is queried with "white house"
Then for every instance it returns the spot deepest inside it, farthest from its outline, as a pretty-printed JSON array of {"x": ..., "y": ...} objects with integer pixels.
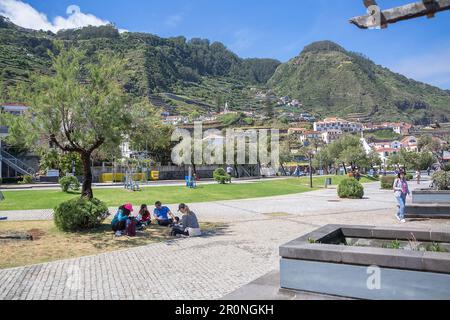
[
  {"x": 331, "y": 135},
  {"x": 337, "y": 124},
  {"x": 310, "y": 135},
  {"x": 410, "y": 143}
]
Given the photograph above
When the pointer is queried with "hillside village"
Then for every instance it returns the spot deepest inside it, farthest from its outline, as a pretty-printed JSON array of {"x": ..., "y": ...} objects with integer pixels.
[{"x": 385, "y": 139}]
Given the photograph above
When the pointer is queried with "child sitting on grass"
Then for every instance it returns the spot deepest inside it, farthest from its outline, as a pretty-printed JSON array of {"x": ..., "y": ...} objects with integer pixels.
[
  {"x": 144, "y": 217},
  {"x": 119, "y": 223}
]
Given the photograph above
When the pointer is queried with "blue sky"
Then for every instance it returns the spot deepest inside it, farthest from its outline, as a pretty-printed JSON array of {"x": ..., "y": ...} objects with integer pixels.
[{"x": 280, "y": 29}]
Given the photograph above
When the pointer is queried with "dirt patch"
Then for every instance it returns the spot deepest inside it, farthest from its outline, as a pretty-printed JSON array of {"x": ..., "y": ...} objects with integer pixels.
[
  {"x": 50, "y": 244},
  {"x": 36, "y": 234}
]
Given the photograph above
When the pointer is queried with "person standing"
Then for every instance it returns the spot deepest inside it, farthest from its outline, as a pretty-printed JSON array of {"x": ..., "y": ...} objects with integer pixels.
[
  {"x": 230, "y": 171},
  {"x": 401, "y": 192},
  {"x": 418, "y": 176}
]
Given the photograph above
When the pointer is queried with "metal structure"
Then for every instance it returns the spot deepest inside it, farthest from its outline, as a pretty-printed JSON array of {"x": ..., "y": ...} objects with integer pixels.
[{"x": 379, "y": 19}]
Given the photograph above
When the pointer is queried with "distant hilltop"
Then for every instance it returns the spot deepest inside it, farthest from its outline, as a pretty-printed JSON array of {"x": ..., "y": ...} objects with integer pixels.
[{"x": 196, "y": 76}]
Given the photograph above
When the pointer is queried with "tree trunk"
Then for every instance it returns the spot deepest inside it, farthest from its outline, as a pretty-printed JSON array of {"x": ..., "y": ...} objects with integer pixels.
[
  {"x": 87, "y": 176},
  {"x": 345, "y": 168}
]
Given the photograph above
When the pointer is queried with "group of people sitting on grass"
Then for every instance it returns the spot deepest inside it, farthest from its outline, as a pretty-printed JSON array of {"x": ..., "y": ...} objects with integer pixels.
[{"x": 124, "y": 223}]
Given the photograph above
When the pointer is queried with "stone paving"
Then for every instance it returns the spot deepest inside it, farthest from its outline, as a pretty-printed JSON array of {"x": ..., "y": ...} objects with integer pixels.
[{"x": 208, "y": 267}]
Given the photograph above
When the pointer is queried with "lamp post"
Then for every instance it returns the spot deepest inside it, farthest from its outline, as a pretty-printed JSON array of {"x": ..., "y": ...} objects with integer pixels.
[
  {"x": 310, "y": 170},
  {"x": 3, "y": 133}
]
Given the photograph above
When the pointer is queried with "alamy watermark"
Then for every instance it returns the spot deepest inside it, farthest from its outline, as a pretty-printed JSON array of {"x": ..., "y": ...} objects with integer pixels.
[
  {"x": 374, "y": 279},
  {"x": 74, "y": 281},
  {"x": 236, "y": 147}
]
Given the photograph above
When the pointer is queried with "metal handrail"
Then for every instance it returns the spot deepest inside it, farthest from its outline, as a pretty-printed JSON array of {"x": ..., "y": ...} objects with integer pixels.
[{"x": 16, "y": 163}]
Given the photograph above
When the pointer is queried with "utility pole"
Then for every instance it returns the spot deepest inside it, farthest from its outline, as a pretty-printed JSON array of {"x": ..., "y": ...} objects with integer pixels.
[
  {"x": 310, "y": 171},
  {"x": 1, "y": 161}
]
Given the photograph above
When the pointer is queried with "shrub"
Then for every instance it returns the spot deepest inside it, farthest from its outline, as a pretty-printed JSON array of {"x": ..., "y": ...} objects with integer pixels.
[
  {"x": 447, "y": 167},
  {"x": 408, "y": 177},
  {"x": 26, "y": 180},
  {"x": 221, "y": 176},
  {"x": 441, "y": 180},
  {"x": 10, "y": 180},
  {"x": 80, "y": 214},
  {"x": 69, "y": 183},
  {"x": 350, "y": 188},
  {"x": 387, "y": 182}
]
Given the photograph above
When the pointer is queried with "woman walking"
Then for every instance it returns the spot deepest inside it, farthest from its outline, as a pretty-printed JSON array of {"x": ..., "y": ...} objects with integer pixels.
[{"x": 401, "y": 191}]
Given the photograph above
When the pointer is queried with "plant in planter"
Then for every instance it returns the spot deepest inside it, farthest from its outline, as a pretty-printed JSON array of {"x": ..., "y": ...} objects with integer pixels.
[
  {"x": 221, "y": 176},
  {"x": 350, "y": 188},
  {"x": 441, "y": 180}
]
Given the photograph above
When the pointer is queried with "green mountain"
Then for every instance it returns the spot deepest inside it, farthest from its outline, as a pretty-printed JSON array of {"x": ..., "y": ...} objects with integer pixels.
[
  {"x": 330, "y": 80},
  {"x": 201, "y": 74},
  {"x": 195, "y": 76}
]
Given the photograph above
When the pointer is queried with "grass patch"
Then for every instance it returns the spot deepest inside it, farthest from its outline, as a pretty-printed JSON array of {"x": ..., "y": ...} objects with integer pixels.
[
  {"x": 50, "y": 244},
  {"x": 48, "y": 199}
]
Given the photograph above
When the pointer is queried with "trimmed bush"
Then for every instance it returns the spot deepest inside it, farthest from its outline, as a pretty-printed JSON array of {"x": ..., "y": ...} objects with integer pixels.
[
  {"x": 408, "y": 177},
  {"x": 221, "y": 176},
  {"x": 69, "y": 183},
  {"x": 80, "y": 214},
  {"x": 441, "y": 180},
  {"x": 387, "y": 182},
  {"x": 26, "y": 180},
  {"x": 10, "y": 180},
  {"x": 350, "y": 189}
]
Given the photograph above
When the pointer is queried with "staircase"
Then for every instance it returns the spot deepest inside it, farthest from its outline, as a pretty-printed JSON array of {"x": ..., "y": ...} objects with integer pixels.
[{"x": 16, "y": 164}]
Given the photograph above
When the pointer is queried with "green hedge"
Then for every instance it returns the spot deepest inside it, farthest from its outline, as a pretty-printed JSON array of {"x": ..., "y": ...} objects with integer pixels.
[
  {"x": 10, "y": 180},
  {"x": 350, "y": 188},
  {"x": 387, "y": 182},
  {"x": 80, "y": 214}
]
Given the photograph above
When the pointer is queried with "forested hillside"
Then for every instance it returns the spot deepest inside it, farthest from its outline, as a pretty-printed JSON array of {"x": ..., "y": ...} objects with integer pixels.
[
  {"x": 333, "y": 81},
  {"x": 197, "y": 76}
]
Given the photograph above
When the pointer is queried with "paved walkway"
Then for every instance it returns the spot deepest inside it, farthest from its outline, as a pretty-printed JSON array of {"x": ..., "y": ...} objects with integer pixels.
[{"x": 209, "y": 267}]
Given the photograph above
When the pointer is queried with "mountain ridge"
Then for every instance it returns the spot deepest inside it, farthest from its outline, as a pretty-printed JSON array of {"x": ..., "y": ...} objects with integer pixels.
[
  {"x": 325, "y": 77},
  {"x": 334, "y": 81}
]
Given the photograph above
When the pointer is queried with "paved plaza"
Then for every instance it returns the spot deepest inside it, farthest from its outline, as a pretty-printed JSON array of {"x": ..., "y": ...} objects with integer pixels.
[{"x": 209, "y": 267}]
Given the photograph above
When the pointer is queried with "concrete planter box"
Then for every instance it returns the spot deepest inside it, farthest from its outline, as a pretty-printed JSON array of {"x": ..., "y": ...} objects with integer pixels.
[
  {"x": 430, "y": 197},
  {"x": 428, "y": 211},
  {"x": 330, "y": 267}
]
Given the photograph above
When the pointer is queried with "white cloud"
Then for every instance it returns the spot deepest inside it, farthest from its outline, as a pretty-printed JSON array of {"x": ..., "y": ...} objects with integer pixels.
[
  {"x": 26, "y": 16},
  {"x": 432, "y": 68},
  {"x": 174, "y": 20}
]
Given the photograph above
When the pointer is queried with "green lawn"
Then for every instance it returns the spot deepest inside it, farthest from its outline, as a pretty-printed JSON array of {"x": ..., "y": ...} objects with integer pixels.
[{"x": 48, "y": 199}]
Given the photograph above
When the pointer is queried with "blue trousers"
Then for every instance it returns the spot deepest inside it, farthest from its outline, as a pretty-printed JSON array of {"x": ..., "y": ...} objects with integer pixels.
[{"x": 402, "y": 204}]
